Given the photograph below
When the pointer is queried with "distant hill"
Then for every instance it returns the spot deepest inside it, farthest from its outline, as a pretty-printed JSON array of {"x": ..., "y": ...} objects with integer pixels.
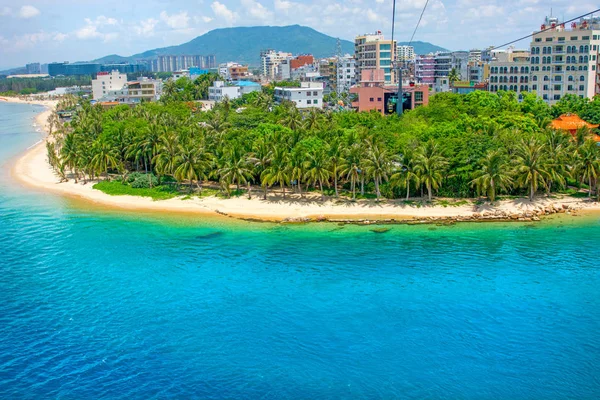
[
  {"x": 424, "y": 47},
  {"x": 243, "y": 44}
]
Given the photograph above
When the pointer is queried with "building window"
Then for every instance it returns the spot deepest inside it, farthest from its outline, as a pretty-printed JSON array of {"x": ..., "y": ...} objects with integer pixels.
[
  {"x": 308, "y": 93},
  {"x": 582, "y": 78},
  {"x": 573, "y": 37},
  {"x": 557, "y": 87},
  {"x": 314, "y": 93},
  {"x": 549, "y": 39},
  {"x": 307, "y": 101},
  {"x": 371, "y": 99},
  {"x": 557, "y": 97},
  {"x": 581, "y": 87},
  {"x": 379, "y": 99},
  {"x": 585, "y": 38},
  {"x": 545, "y": 87},
  {"x": 534, "y": 87}
]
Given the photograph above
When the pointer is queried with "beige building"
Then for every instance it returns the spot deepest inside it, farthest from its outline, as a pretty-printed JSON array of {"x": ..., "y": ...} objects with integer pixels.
[
  {"x": 270, "y": 61},
  {"x": 564, "y": 59},
  {"x": 510, "y": 71},
  {"x": 372, "y": 51}
]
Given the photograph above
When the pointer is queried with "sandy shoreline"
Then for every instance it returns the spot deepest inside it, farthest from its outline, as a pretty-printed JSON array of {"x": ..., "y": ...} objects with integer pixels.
[{"x": 33, "y": 170}]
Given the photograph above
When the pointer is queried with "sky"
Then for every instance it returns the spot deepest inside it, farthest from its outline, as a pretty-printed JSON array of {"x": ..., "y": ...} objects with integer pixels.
[{"x": 79, "y": 30}]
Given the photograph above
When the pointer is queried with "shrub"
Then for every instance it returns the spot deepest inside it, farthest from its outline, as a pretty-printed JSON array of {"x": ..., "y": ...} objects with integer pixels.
[{"x": 142, "y": 181}]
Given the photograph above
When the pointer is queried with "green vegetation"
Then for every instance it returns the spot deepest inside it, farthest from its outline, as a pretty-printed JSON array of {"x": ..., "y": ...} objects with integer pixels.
[
  {"x": 460, "y": 146},
  {"x": 38, "y": 85},
  {"x": 118, "y": 188}
]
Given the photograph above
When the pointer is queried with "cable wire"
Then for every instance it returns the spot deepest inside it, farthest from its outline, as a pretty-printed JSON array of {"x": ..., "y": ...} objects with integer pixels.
[
  {"x": 418, "y": 23},
  {"x": 544, "y": 30}
]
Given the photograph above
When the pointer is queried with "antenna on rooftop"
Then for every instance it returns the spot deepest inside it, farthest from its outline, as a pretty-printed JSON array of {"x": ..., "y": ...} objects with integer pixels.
[{"x": 339, "y": 66}]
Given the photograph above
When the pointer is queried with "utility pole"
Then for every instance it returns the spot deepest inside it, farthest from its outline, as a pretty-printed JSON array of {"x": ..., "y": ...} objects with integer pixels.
[{"x": 399, "y": 104}]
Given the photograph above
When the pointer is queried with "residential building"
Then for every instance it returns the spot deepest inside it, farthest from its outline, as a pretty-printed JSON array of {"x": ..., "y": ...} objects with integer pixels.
[
  {"x": 270, "y": 60},
  {"x": 425, "y": 69},
  {"x": 374, "y": 94},
  {"x": 474, "y": 56},
  {"x": 478, "y": 71},
  {"x": 144, "y": 89},
  {"x": 405, "y": 53},
  {"x": 67, "y": 69},
  {"x": 219, "y": 90},
  {"x": 233, "y": 71},
  {"x": 33, "y": 68},
  {"x": 172, "y": 63},
  {"x": 565, "y": 60},
  {"x": 195, "y": 72},
  {"x": 346, "y": 73},
  {"x": 301, "y": 60},
  {"x": 106, "y": 82},
  {"x": 464, "y": 87},
  {"x": 247, "y": 86},
  {"x": 510, "y": 71},
  {"x": 372, "y": 51},
  {"x": 308, "y": 95}
]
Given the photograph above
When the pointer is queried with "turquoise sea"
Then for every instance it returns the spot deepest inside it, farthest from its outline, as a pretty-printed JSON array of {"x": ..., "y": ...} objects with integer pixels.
[{"x": 102, "y": 304}]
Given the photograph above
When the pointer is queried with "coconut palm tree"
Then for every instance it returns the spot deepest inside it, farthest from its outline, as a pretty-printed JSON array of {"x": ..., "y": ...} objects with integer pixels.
[
  {"x": 406, "y": 175},
  {"x": 234, "y": 169},
  {"x": 260, "y": 158},
  {"x": 530, "y": 165},
  {"x": 430, "y": 165},
  {"x": 192, "y": 164},
  {"x": 377, "y": 166},
  {"x": 104, "y": 158},
  {"x": 166, "y": 156},
  {"x": 335, "y": 154},
  {"x": 493, "y": 175},
  {"x": 588, "y": 164},
  {"x": 293, "y": 119},
  {"x": 453, "y": 76},
  {"x": 314, "y": 120},
  {"x": 278, "y": 170},
  {"x": 70, "y": 154},
  {"x": 558, "y": 157},
  {"x": 317, "y": 169},
  {"x": 351, "y": 166}
]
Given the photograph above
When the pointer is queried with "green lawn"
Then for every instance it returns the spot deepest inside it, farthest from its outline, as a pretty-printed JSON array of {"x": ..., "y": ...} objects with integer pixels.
[{"x": 116, "y": 188}]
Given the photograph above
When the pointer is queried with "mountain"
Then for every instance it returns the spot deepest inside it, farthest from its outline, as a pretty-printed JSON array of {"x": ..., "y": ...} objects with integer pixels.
[
  {"x": 243, "y": 44},
  {"x": 423, "y": 47}
]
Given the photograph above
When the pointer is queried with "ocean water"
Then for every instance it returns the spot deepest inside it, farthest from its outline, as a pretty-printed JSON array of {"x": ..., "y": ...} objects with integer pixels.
[{"x": 102, "y": 304}]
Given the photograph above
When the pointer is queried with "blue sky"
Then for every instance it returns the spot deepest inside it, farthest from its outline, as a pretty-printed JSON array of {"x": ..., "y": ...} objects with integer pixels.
[{"x": 74, "y": 30}]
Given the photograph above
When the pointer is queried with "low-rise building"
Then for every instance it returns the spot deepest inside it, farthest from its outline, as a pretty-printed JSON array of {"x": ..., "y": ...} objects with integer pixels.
[
  {"x": 308, "y": 95},
  {"x": 373, "y": 94},
  {"x": 144, "y": 89},
  {"x": 220, "y": 89}
]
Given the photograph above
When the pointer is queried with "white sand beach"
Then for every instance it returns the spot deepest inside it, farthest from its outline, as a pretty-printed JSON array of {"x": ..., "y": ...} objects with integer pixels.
[{"x": 33, "y": 170}]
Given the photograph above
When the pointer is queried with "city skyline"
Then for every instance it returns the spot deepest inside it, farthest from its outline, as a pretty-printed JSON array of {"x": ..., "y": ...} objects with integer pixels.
[{"x": 42, "y": 32}]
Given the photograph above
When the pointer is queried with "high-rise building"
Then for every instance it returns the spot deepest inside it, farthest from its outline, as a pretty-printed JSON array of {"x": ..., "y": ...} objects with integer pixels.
[
  {"x": 346, "y": 73},
  {"x": 425, "y": 69},
  {"x": 405, "y": 53},
  {"x": 372, "y": 51},
  {"x": 434, "y": 69},
  {"x": 172, "y": 63},
  {"x": 564, "y": 60},
  {"x": 474, "y": 55},
  {"x": 270, "y": 61},
  {"x": 33, "y": 68}
]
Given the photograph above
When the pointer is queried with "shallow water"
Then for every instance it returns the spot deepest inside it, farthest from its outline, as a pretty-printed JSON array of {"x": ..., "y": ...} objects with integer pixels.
[{"x": 98, "y": 304}]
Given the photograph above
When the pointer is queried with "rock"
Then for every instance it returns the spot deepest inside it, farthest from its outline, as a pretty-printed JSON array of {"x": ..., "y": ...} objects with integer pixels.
[
  {"x": 565, "y": 206},
  {"x": 514, "y": 216},
  {"x": 535, "y": 218},
  {"x": 321, "y": 218}
]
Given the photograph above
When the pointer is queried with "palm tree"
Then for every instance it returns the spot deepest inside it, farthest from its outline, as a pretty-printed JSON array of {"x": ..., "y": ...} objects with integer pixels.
[
  {"x": 235, "y": 168},
  {"x": 317, "y": 169},
  {"x": 588, "y": 164},
  {"x": 70, "y": 153},
  {"x": 557, "y": 145},
  {"x": 351, "y": 166},
  {"x": 314, "y": 120},
  {"x": 494, "y": 174},
  {"x": 335, "y": 153},
  {"x": 406, "y": 174},
  {"x": 260, "y": 158},
  {"x": 377, "y": 166},
  {"x": 531, "y": 166},
  {"x": 453, "y": 76},
  {"x": 104, "y": 158},
  {"x": 166, "y": 156},
  {"x": 429, "y": 166},
  {"x": 293, "y": 119},
  {"x": 192, "y": 163},
  {"x": 278, "y": 170},
  {"x": 298, "y": 167}
]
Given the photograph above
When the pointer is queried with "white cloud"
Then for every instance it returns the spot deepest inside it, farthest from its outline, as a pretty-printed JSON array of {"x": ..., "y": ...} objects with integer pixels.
[
  {"x": 146, "y": 27},
  {"x": 207, "y": 19},
  {"x": 175, "y": 21},
  {"x": 28, "y": 12},
  {"x": 5, "y": 11},
  {"x": 90, "y": 30},
  {"x": 372, "y": 15},
  {"x": 257, "y": 10},
  {"x": 283, "y": 5},
  {"x": 222, "y": 11}
]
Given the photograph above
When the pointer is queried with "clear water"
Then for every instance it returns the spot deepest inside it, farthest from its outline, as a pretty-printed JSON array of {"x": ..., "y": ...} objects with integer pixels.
[{"x": 97, "y": 304}]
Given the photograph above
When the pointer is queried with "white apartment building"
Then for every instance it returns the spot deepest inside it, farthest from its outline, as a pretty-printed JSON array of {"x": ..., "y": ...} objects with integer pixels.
[
  {"x": 106, "y": 82},
  {"x": 220, "y": 90},
  {"x": 346, "y": 73},
  {"x": 564, "y": 60},
  {"x": 510, "y": 71},
  {"x": 405, "y": 53},
  {"x": 308, "y": 95},
  {"x": 270, "y": 60}
]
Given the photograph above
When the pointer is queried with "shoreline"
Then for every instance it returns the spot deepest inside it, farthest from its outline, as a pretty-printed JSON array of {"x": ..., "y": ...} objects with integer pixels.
[{"x": 31, "y": 169}]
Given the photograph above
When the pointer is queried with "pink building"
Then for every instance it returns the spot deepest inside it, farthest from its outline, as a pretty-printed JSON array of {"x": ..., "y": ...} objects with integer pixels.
[{"x": 374, "y": 95}]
